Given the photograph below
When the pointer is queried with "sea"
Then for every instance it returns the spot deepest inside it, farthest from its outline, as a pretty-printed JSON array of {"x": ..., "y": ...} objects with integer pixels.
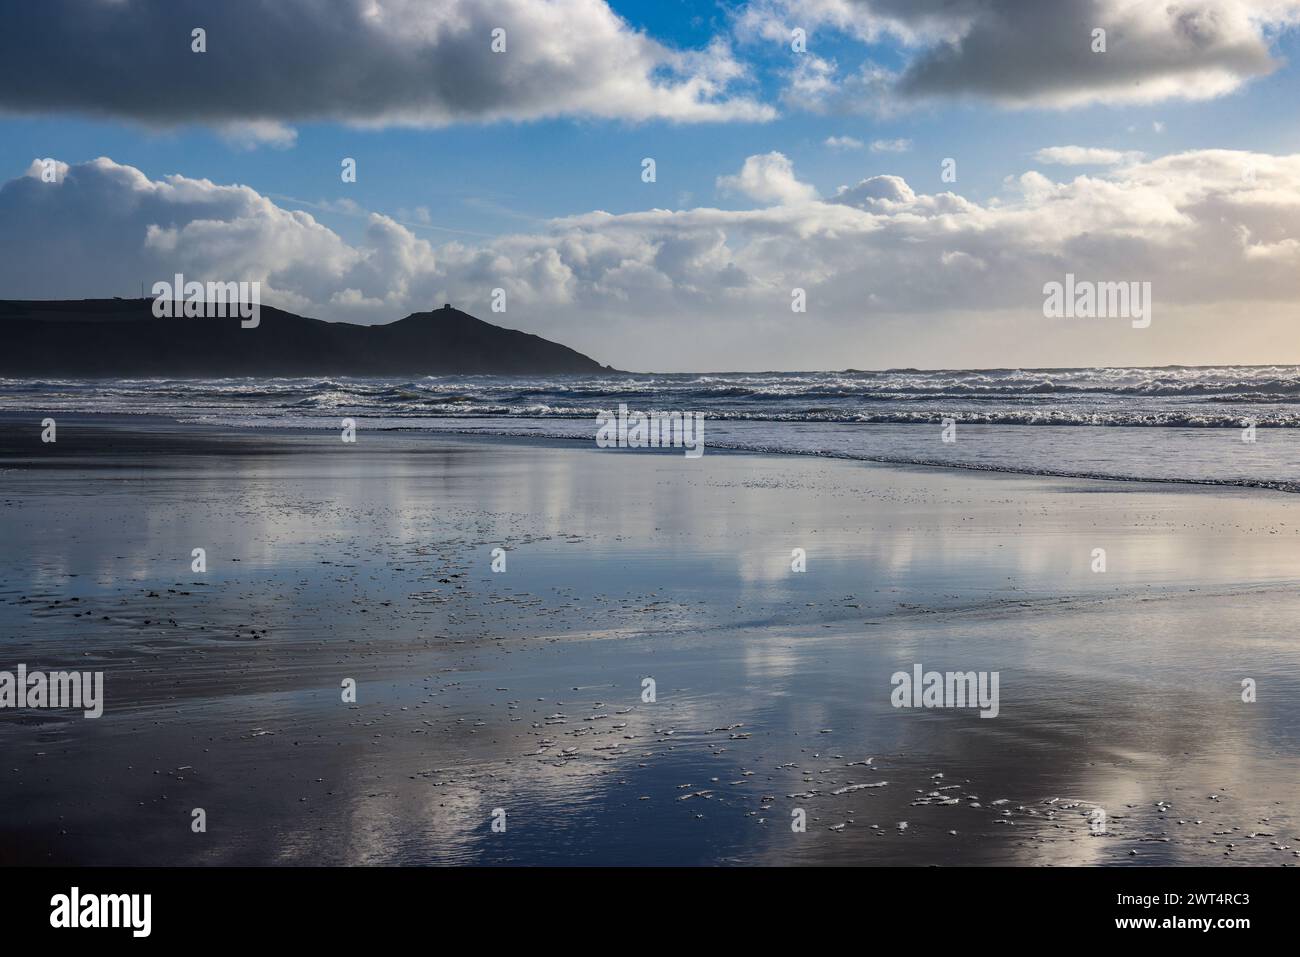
[{"x": 1221, "y": 425}]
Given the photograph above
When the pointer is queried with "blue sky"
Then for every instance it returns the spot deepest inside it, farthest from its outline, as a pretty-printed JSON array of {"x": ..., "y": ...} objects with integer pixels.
[{"x": 473, "y": 180}]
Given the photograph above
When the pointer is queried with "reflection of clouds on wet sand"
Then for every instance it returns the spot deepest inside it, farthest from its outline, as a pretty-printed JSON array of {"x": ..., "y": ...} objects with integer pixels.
[
  {"x": 1067, "y": 740},
  {"x": 522, "y": 690}
]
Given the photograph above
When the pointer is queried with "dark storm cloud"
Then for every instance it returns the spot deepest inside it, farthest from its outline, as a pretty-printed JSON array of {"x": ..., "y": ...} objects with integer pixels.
[
  {"x": 1023, "y": 52},
  {"x": 1031, "y": 51},
  {"x": 419, "y": 62}
]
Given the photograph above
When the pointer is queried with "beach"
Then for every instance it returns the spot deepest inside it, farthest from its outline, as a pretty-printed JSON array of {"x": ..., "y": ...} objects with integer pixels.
[{"x": 517, "y": 696}]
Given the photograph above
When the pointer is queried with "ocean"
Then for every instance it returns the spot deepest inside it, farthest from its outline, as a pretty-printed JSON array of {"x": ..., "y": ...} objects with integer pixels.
[{"x": 1174, "y": 423}]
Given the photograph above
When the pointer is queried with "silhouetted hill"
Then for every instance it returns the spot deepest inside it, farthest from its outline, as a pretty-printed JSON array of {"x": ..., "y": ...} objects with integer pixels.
[{"x": 121, "y": 337}]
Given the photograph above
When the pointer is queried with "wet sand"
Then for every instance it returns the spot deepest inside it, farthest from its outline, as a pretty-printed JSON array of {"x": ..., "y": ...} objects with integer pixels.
[{"x": 522, "y": 690}]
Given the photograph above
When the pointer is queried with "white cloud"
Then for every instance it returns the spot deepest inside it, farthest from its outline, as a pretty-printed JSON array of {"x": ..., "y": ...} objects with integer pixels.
[
  {"x": 844, "y": 143},
  {"x": 879, "y": 192},
  {"x": 250, "y": 134},
  {"x": 911, "y": 22},
  {"x": 1085, "y": 156},
  {"x": 894, "y": 276},
  {"x": 818, "y": 85},
  {"x": 891, "y": 146},
  {"x": 47, "y": 169},
  {"x": 768, "y": 178}
]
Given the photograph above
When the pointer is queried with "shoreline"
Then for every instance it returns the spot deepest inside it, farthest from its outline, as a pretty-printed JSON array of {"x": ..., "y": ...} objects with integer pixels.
[{"x": 177, "y": 427}]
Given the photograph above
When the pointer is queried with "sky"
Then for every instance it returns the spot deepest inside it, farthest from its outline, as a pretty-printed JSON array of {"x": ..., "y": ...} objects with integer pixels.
[{"x": 913, "y": 173}]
